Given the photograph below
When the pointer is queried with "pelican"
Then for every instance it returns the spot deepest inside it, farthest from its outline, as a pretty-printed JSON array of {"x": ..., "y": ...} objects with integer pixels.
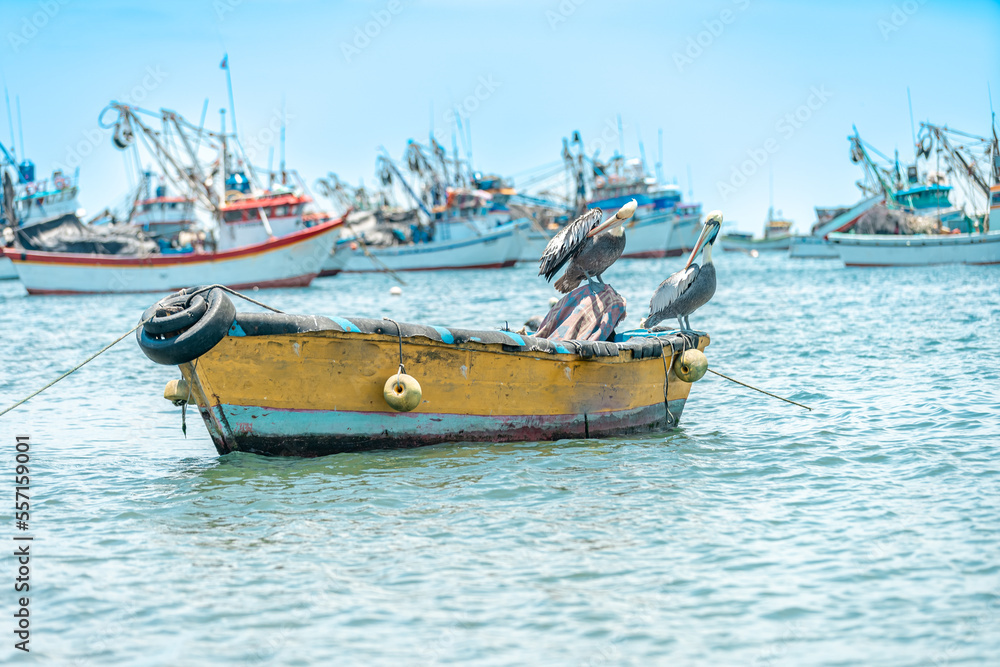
[
  {"x": 589, "y": 245},
  {"x": 690, "y": 288}
]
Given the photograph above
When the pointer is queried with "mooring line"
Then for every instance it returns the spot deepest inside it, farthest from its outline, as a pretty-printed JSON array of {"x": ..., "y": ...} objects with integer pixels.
[
  {"x": 767, "y": 393},
  {"x": 132, "y": 330},
  {"x": 75, "y": 368}
]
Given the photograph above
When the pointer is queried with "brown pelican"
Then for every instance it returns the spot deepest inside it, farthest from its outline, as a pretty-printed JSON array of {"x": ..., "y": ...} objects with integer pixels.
[
  {"x": 589, "y": 245},
  {"x": 690, "y": 288}
]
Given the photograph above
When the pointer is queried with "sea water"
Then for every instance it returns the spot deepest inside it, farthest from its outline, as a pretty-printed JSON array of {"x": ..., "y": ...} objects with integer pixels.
[{"x": 866, "y": 531}]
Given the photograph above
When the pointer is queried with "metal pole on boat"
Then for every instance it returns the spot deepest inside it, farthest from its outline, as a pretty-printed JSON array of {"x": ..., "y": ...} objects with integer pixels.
[
  {"x": 20, "y": 126},
  {"x": 10, "y": 121},
  {"x": 659, "y": 156},
  {"x": 229, "y": 85}
]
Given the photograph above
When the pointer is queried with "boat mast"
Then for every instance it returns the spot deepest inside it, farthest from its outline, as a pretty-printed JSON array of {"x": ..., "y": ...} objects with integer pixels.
[
  {"x": 20, "y": 126},
  {"x": 659, "y": 155},
  {"x": 284, "y": 177},
  {"x": 10, "y": 121}
]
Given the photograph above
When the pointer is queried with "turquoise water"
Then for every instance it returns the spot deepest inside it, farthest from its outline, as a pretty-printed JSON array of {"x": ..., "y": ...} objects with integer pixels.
[{"x": 864, "y": 532}]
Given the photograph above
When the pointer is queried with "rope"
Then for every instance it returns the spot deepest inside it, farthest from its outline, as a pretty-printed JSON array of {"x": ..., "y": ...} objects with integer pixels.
[
  {"x": 75, "y": 368},
  {"x": 224, "y": 289},
  {"x": 132, "y": 330},
  {"x": 767, "y": 393},
  {"x": 666, "y": 381},
  {"x": 399, "y": 335}
]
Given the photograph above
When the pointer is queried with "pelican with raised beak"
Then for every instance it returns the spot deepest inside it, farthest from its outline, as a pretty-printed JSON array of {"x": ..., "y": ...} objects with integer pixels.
[
  {"x": 690, "y": 288},
  {"x": 589, "y": 245}
]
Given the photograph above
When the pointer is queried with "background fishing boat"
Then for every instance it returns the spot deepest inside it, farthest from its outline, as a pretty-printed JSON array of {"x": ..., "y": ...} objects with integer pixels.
[
  {"x": 25, "y": 201},
  {"x": 293, "y": 260},
  {"x": 777, "y": 237},
  {"x": 925, "y": 227},
  {"x": 461, "y": 220},
  {"x": 261, "y": 236}
]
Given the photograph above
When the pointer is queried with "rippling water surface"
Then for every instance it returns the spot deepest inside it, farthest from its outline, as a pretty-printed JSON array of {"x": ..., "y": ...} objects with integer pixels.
[{"x": 864, "y": 532}]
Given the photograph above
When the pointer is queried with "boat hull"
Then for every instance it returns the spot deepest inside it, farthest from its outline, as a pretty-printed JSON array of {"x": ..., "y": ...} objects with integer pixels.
[
  {"x": 774, "y": 244},
  {"x": 646, "y": 236},
  {"x": 811, "y": 247},
  {"x": 7, "y": 270},
  {"x": 683, "y": 236},
  {"x": 494, "y": 249},
  {"x": 290, "y": 261},
  {"x": 321, "y": 392},
  {"x": 917, "y": 250}
]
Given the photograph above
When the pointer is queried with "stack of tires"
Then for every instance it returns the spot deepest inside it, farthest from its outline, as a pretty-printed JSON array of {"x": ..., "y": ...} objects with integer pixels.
[{"x": 186, "y": 325}]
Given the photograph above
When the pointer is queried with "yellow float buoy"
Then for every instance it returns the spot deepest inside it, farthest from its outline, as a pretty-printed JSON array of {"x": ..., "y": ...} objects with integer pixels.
[
  {"x": 177, "y": 391},
  {"x": 690, "y": 365},
  {"x": 402, "y": 392}
]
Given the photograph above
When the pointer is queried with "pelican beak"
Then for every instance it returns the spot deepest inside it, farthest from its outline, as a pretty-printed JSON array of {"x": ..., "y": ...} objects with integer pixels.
[
  {"x": 624, "y": 213},
  {"x": 712, "y": 222}
]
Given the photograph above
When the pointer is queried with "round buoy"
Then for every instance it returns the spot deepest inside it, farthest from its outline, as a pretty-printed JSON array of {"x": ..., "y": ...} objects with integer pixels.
[
  {"x": 396, "y": 290},
  {"x": 402, "y": 392},
  {"x": 690, "y": 365}
]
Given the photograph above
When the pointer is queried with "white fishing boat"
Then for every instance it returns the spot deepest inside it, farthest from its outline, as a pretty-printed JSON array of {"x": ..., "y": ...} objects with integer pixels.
[
  {"x": 290, "y": 261},
  {"x": 262, "y": 236},
  {"x": 979, "y": 162},
  {"x": 923, "y": 249},
  {"x": 35, "y": 201},
  {"x": 463, "y": 227}
]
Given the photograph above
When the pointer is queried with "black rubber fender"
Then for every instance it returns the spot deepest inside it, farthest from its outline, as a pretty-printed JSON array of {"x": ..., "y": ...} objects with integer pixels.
[
  {"x": 173, "y": 348},
  {"x": 174, "y": 313}
]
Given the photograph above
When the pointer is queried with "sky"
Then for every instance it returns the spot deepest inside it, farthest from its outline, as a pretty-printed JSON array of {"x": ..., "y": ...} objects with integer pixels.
[{"x": 740, "y": 88}]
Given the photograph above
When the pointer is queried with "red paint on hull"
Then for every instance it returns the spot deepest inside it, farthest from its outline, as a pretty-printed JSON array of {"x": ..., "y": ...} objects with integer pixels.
[
  {"x": 17, "y": 255},
  {"x": 295, "y": 281},
  {"x": 495, "y": 265}
]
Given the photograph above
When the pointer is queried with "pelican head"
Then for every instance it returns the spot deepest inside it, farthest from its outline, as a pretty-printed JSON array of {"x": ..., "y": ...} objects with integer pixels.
[
  {"x": 619, "y": 218},
  {"x": 713, "y": 223}
]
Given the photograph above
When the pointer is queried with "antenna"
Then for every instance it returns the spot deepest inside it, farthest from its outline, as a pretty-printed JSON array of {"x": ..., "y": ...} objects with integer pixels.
[
  {"x": 20, "y": 127},
  {"x": 621, "y": 137},
  {"x": 10, "y": 119},
  {"x": 659, "y": 155},
  {"x": 913, "y": 132},
  {"x": 468, "y": 142},
  {"x": 770, "y": 192},
  {"x": 229, "y": 85},
  {"x": 283, "y": 116},
  {"x": 642, "y": 149}
]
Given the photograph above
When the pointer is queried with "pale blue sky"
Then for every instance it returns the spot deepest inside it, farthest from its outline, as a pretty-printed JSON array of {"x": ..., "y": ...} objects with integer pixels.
[{"x": 541, "y": 69}]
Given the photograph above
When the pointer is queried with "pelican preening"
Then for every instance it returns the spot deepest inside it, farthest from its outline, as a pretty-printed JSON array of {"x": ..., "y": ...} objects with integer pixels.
[
  {"x": 690, "y": 288},
  {"x": 589, "y": 245}
]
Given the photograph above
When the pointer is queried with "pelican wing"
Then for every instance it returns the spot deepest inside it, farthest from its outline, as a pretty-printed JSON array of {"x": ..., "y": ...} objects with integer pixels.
[
  {"x": 567, "y": 242},
  {"x": 669, "y": 291}
]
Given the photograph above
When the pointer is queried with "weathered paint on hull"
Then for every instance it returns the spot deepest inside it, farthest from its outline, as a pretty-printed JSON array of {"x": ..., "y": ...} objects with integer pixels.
[
  {"x": 320, "y": 393},
  {"x": 273, "y": 432}
]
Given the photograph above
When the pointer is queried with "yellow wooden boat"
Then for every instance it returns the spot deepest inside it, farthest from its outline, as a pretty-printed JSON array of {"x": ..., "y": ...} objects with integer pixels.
[{"x": 290, "y": 385}]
